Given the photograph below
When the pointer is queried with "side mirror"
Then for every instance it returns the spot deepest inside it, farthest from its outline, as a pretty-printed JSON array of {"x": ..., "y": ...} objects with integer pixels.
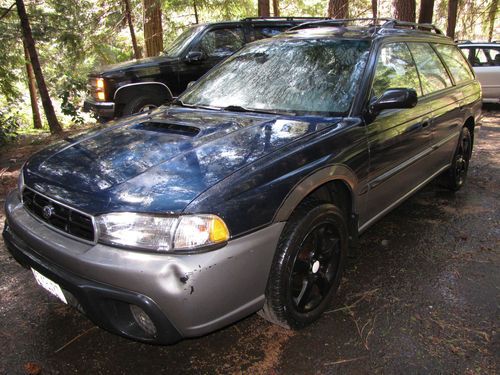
[
  {"x": 193, "y": 56},
  {"x": 190, "y": 84},
  {"x": 394, "y": 98}
]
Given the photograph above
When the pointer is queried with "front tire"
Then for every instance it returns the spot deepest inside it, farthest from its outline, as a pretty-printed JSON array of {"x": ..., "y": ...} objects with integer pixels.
[
  {"x": 307, "y": 266},
  {"x": 142, "y": 103}
]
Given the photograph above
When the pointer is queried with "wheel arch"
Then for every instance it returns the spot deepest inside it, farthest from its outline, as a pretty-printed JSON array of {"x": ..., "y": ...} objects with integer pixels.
[
  {"x": 335, "y": 184},
  {"x": 470, "y": 124},
  {"x": 126, "y": 92}
]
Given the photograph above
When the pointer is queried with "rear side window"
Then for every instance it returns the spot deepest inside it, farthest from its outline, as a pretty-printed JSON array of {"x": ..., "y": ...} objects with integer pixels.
[
  {"x": 432, "y": 72},
  {"x": 222, "y": 42},
  {"x": 395, "y": 69},
  {"x": 455, "y": 61}
]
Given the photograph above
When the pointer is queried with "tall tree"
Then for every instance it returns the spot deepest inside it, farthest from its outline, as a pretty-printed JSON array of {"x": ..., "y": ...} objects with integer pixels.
[
  {"x": 404, "y": 10},
  {"x": 195, "y": 7},
  {"x": 128, "y": 15},
  {"x": 263, "y": 8},
  {"x": 37, "y": 121},
  {"x": 492, "y": 17},
  {"x": 153, "y": 31},
  {"x": 375, "y": 8},
  {"x": 452, "y": 18},
  {"x": 50, "y": 114},
  {"x": 338, "y": 8},
  {"x": 426, "y": 11},
  {"x": 276, "y": 8}
]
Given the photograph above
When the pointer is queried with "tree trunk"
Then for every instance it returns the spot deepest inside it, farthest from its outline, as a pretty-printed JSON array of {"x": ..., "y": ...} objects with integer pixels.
[
  {"x": 37, "y": 121},
  {"x": 492, "y": 16},
  {"x": 195, "y": 11},
  {"x": 404, "y": 10},
  {"x": 263, "y": 8},
  {"x": 374, "y": 8},
  {"x": 338, "y": 8},
  {"x": 153, "y": 31},
  {"x": 54, "y": 125},
  {"x": 452, "y": 18},
  {"x": 128, "y": 15},
  {"x": 426, "y": 11},
  {"x": 276, "y": 8}
]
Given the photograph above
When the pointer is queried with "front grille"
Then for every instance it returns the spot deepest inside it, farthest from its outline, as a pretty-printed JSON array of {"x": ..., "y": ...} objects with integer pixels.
[{"x": 62, "y": 217}]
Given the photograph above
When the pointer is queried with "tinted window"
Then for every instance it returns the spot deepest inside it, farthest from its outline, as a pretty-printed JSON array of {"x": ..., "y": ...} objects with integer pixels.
[
  {"x": 261, "y": 32},
  {"x": 432, "y": 73},
  {"x": 455, "y": 61},
  {"x": 222, "y": 42},
  {"x": 182, "y": 41},
  {"x": 395, "y": 69},
  {"x": 300, "y": 76}
]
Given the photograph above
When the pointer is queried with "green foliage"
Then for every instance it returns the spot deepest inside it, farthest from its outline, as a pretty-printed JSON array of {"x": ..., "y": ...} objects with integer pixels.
[{"x": 9, "y": 125}]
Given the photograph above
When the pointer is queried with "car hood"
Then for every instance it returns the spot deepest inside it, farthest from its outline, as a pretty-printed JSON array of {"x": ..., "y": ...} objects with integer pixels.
[
  {"x": 132, "y": 65},
  {"x": 159, "y": 162}
]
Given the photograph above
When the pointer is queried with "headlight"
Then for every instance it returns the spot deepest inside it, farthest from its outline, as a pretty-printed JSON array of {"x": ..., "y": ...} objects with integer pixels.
[{"x": 161, "y": 233}]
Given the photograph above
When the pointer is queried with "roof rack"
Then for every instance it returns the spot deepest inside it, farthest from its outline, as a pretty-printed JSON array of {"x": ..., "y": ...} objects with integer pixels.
[
  {"x": 389, "y": 23},
  {"x": 283, "y": 18}
]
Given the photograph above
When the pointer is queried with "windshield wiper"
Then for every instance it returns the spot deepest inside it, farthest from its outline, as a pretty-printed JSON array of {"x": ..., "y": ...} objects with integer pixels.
[
  {"x": 182, "y": 104},
  {"x": 239, "y": 108}
]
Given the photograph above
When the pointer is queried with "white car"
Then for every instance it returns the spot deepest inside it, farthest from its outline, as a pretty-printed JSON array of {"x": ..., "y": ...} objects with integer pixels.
[{"x": 485, "y": 60}]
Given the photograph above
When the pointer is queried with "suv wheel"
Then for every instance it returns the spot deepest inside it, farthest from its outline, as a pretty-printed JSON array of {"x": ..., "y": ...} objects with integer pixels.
[
  {"x": 142, "y": 103},
  {"x": 456, "y": 175},
  {"x": 308, "y": 265}
]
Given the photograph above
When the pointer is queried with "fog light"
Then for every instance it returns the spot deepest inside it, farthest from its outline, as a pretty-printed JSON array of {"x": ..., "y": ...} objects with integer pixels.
[{"x": 143, "y": 320}]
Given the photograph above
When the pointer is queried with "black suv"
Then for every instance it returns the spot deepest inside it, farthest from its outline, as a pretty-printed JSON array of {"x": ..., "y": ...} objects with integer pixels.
[
  {"x": 247, "y": 192},
  {"x": 140, "y": 85}
]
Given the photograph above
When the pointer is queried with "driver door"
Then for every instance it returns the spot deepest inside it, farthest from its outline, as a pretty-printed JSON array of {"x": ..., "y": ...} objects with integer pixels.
[
  {"x": 398, "y": 138},
  {"x": 215, "y": 45}
]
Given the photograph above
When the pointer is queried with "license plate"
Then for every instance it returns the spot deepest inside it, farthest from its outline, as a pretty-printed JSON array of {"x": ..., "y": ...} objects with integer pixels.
[{"x": 49, "y": 285}]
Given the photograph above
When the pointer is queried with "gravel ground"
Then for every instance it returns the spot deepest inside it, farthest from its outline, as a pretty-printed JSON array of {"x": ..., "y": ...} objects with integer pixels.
[{"x": 423, "y": 297}]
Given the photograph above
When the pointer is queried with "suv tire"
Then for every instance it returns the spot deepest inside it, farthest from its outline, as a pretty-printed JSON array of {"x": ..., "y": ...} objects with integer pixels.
[
  {"x": 307, "y": 266},
  {"x": 142, "y": 103}
]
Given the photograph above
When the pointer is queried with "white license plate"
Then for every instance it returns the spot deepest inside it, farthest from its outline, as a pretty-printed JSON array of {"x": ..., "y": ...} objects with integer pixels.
[{"x": 49, "y": 285}]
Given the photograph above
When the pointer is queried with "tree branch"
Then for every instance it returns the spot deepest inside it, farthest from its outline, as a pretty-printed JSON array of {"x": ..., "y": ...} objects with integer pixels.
[{"x": 7, "y": 11}]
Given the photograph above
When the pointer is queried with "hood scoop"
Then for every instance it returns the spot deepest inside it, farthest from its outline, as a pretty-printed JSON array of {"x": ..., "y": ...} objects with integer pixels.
[{"x": 168, "y": 128}]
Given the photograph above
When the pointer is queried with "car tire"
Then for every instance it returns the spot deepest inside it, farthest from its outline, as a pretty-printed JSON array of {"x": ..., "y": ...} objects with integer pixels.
[
  {"x": 455, "y": 176},
  {"x": 307, "y": 266},
  {"x": 142, "y": 103}
]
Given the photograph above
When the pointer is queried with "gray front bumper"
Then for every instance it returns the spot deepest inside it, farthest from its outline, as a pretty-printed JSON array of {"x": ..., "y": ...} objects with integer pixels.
[
  {"x": 102, "y": 109},
  {"x": 198, "y": 293}
]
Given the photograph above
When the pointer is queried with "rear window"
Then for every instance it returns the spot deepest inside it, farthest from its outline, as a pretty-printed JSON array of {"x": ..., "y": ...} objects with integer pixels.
[
  {"x": 455, "y": 61},
  {"x": 433, "y": 74}
]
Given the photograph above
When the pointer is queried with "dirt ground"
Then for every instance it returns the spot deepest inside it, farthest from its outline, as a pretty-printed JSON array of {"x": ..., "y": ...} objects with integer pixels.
[{"x": 423, "y": 297}]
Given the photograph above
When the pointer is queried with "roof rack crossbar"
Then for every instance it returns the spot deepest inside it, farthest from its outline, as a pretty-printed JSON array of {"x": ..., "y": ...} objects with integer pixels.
[{"x": 282, "y": 18}]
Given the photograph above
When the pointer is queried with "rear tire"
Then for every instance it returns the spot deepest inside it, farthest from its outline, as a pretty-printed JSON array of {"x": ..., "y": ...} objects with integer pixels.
[
  {"x": 142, "y": 103},
  {"x": 307, "y": 266},
  {"x": 455, "y": 177}
]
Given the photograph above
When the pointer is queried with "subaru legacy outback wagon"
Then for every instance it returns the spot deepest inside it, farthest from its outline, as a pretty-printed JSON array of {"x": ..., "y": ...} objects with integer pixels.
[{"x": 246, "y": 193}]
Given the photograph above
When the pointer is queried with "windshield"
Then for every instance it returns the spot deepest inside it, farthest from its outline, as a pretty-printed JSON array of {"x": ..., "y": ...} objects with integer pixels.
[
  {"x": 178, "y": 45},
  {"x": 294, "y": 76}
]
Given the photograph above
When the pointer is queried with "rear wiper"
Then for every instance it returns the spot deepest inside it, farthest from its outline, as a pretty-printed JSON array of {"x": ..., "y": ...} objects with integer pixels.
[{"x": 238, "y": 108}]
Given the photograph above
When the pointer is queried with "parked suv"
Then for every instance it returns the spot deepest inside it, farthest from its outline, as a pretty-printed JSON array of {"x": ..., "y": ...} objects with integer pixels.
[
  {"x": 140, "y": 85},
  {"x": 485, "y": 60},
  {"x": 248, "y": 192}
]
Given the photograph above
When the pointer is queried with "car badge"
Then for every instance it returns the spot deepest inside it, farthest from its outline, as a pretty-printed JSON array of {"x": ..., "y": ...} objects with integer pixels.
[{"x": 47, "y": 212}]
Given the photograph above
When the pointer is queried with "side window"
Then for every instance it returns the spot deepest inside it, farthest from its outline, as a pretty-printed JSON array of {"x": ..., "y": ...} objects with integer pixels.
[
  {"x": 395, "y": 69},
  {"x": 432, "y": 72},
  {"x": 222, "y": 42},
  {"x": 455, "y": 61},
  {"x": 492, "y": 56},
  {"x": 260, "y": 32}
]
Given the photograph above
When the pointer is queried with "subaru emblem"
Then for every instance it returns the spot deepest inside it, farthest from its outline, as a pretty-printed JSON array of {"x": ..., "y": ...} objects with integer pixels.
[{"x": 47, "y": 212}]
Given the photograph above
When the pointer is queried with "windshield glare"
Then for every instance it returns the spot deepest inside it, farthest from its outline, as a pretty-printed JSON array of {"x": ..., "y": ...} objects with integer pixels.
[
  {"x": 307, "y": 76},
  {"x": 178, "y": 45}
]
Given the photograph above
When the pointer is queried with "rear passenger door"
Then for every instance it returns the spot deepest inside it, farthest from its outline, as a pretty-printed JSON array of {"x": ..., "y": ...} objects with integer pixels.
[
  {"x": 398, "y": 138},
  {"x": 439, "y": 95},
  {"x": 453, "y": 106}
]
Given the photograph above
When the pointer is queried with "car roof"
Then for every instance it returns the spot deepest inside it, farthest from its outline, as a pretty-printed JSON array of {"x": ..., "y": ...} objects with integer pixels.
[{"x": 363, "y": 28}]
